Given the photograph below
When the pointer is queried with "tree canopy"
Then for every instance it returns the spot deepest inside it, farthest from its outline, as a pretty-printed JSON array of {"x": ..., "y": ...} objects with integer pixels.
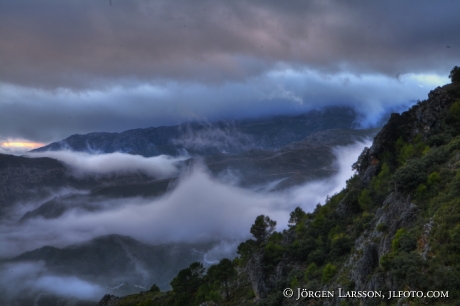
[
  {"x": 455, "y": 75},
  {"x": 262, "y": 228}
]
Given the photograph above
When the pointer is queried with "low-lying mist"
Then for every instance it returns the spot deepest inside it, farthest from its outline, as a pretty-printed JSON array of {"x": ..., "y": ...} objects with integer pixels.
[
  {"x": 200, "y": 208},
  {"x": 28, "y": 278},
  {"x": 81, "y": 164}
]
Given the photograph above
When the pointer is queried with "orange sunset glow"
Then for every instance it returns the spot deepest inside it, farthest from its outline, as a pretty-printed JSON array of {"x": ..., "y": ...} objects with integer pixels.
[{"x": 22, "y": 144}]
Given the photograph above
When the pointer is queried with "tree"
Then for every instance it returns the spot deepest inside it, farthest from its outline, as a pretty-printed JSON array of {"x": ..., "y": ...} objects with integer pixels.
[
  {"x": 245, "y": 249},
  {"x": 363, "y": 160},
  {"x": 297, "y": 216},
  {"x": 188, "y": 279},
  {"x": 455, "y": 74},
  {"x": 223, "y": 272},
  {"x": 154, "y": 288},
  {"x": 262, "y": 228}
]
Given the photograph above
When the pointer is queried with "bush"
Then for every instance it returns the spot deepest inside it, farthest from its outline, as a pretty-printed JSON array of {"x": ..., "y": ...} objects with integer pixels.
[
  {"x": 365, "y": 200},
  {"x": 311, "y": 272},
  {"x": 407, "y": 268},
  {"x": 340, "y": 245},
  {"x": 455, "y": 110},
  {"x": 403, "y": 241},
  {"x": 433, "y": 178},
  {"x": 328, "y": 272},
  {"x": 409, "y": 176},
  {"x": 381, "y": 227}
]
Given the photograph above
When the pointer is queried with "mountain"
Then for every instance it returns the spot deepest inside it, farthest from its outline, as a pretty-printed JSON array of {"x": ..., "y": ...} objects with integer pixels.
[
  {"x": 118, "y": 264},
  {"x": 201, "y": 138},
  {"x": 391, "y": 237}
]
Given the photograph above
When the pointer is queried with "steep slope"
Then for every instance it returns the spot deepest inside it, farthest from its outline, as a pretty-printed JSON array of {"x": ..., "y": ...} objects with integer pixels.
[{"x": 394, "y": 227}]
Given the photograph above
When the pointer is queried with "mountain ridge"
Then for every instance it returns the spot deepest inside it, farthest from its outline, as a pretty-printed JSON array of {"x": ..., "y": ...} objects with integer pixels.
[{"x": 204, "y": 138}]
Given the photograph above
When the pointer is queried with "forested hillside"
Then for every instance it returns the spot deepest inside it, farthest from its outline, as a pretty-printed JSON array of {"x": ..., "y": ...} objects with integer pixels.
[{"x": 396, "y": 226}]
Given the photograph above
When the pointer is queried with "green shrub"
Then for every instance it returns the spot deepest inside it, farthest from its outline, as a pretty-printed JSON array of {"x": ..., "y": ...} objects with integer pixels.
[
  {"x": 395, "y": 243},
  {"x": 294, "y": 283},
  {"x": 385, "y": 261},
  {"x": 365, "y": 200},
  {"x": 328, "y": 272},
  {"x": 433, "y": 178},
  {"x": 381, "y": 227},
  {"x": 410, "y": 175},
  {"x": 311, "y": 272},
  {"x": 340, "y": 245}
]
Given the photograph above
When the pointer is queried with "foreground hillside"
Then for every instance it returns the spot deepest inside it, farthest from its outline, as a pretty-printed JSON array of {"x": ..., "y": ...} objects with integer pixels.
[{"x": 396, "y": 226}]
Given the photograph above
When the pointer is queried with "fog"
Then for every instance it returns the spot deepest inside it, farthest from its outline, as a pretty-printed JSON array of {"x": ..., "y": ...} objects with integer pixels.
[
  {"x": 81, "y": 164},
  {"x": 25, "y": 278},
  {"x": 200, "y": 208}
]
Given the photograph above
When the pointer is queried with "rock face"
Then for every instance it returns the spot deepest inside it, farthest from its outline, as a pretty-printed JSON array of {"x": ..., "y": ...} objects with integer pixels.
[
  {"x": 422, "y": 119},
  {"x": 259, "y": 281},
  {"x": 396, "y": 212}
]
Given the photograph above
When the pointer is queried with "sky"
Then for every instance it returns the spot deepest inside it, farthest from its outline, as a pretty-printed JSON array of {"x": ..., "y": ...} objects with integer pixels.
[{"x": 69, "y": 67}]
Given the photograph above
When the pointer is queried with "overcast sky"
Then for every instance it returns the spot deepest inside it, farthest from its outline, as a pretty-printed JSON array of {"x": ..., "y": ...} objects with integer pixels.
[{"x": 81, "y": 66}]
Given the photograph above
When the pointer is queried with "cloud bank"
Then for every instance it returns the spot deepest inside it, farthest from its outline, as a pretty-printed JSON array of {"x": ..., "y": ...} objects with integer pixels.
[{"x": 57, "y": 114}]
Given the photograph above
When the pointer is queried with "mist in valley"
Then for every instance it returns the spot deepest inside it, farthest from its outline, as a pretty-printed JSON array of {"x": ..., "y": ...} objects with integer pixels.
[{"x": 199, "y": 208}]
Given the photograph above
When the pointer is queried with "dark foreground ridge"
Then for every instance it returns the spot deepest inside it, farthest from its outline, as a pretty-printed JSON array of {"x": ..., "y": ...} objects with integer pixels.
[{"x": 396, "y": 226}]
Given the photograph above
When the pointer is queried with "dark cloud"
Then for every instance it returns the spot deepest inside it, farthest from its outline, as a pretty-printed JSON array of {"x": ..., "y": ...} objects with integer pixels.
[
  {"x": 46, "y": 116},
  {"x": 89, "y": 44}
]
